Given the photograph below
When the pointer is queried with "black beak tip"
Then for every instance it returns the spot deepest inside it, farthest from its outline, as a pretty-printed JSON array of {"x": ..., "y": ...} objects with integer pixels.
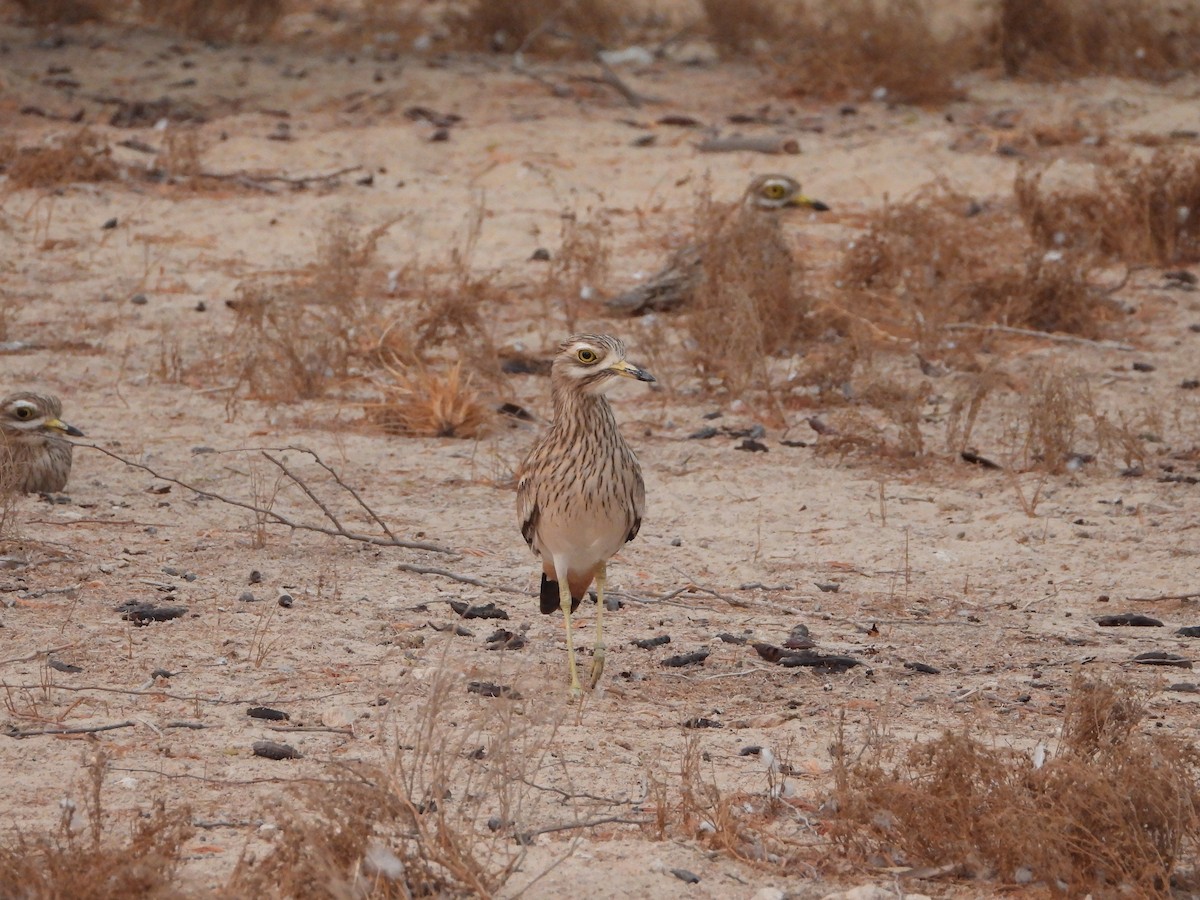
[
  {"x": 74, "y": 432},
  {"x": 819, "y": 206},
  {"x": 646, "y": 376}
]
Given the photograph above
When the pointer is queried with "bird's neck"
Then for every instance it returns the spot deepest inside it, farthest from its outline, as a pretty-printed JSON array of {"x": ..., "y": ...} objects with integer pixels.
[{"x": 578, "y": 413}]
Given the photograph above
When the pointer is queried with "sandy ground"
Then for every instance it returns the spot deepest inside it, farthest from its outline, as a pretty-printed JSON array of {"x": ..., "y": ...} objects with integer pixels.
[{"x": 943, "y": 561}]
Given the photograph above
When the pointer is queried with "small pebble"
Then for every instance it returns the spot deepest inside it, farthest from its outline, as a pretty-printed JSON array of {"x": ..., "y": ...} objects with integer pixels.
[
  {"x": 285, "y": 600},
  {"x": 246, "y": 597},
  {"x": 685, "y": 876},
  {"x": 110, "y": 224},
  {"x": 139, "y": 300},
  {"x": 255, "y": 576},
  {"x": 541, "y": 254}
]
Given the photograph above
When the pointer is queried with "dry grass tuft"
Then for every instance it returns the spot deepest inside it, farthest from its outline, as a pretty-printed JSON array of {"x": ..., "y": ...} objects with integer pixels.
[
  {"x": 749, "y": 303},
  {"x": 216, "y": 20},
  {"x": 1137, "y": 38},
  {"x": 62, "y": 12},
  {"x": 295, "y": 339},
  {"x": 859, "y": 48},
  {"x": 552, "y": 27},
  {"x": 425, "y": 403},
  {"x": 438, "y": 819},
  {"x": 1134, "y": 211},
  {"x": 76, "y": 157},
  {"x": 1112, "y": 810},
  {"x": 87, "y": 859},
  {"x": 941, "y": 259}
]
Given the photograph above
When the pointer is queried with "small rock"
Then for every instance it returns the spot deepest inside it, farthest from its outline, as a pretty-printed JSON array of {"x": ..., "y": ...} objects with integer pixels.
[
  {"x": 541, "y": 254},
  {"x": 246, "y": 597},
  {"x": 285, "y": 600},
  {"x": 139, "y": 299},
  {"x": 255, "y": 576},
  {"x": 685, "y": 876},
  {"x": 110, "y": 224}
]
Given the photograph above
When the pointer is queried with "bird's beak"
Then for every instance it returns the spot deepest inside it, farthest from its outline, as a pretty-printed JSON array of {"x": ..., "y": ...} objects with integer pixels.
[
  {"x": 631, "y": 371},
  {"x": 60, "y": 425},
  {"x": 801, "y": 200}
]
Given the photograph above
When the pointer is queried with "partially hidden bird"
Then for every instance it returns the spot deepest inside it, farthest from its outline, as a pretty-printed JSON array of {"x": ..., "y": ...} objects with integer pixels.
[
  {"x": 35, "y": 455},
  {"x": 672, "y": 286},
  {"x": 580, "y": 494}
]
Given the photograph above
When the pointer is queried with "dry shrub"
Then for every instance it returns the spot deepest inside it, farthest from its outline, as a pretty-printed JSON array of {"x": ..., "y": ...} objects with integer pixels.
[
  {"x": 1111, "y": 811},
  {"x": 1131, "y": 210},
  {"x": 63, "y": 12},
  {"x": 854, "y": 48},
  {"x": 87, "y": 858},
  {"x": 579, "y": 271},
  {"x": 294, "y": 339},
  {"x": 1138, "y": 38},
  {"x": 749, "y": 303},
  {"x": 417, "y": 826},
  {"x": 179, "y": 159},
  {"x": 555, "y": 27},
  {"x": 215, "y": 20},
  {"x": 425, "y": 403},
  {"x": 941, "y": 259},
  {"x": 79, "y": 156}
]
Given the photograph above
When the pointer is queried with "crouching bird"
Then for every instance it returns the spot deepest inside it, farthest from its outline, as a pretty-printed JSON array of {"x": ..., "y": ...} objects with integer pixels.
[
  {"x": 580, "y": 494},
  {"x": 35, "y": 456}
]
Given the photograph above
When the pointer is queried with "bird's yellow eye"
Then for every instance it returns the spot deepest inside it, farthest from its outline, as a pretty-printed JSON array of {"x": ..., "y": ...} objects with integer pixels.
[
  {"x": 586, "y": 356},
  {"x": 24, "y": 412},
  {"x": 775, "y": 191}
]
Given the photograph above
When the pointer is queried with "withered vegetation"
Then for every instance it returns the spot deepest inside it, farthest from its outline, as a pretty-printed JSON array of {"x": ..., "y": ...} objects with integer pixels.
[
  {"x": 94, "y": 854},
  {"x": 1111, "y": 810},
  {"x": 1061, "y": 38},
  {"x": 548, "y": 27},
  {"x": 1131, "y": 210},
  {"x": 417, "y": 401},
  {"x": 78, "y": 156}
]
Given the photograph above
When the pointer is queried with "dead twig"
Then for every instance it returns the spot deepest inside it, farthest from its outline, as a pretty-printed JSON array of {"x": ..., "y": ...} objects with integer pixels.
[
  {"x": 465, "y": 579},
  {"x": 82, "y": 729},
  {"x": 591, "y": 823},
  {"x": 1187, "y": 596},
  {"x": 1042, "y": 335},
  {"x": 30, "y": 657},
  {"x": 277, "y": 518},
  {"x": 329, "y": 728},
  {"x": 773, "y": 144}
]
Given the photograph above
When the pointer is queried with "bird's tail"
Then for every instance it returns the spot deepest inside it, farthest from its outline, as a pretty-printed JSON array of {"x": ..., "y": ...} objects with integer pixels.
[{"x": 551, "y": 602}]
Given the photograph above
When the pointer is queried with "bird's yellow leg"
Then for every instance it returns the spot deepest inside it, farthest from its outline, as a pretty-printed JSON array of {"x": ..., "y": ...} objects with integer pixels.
[
  {"x": 598, "y": 650},
  {"x": 564, "y": 597}
]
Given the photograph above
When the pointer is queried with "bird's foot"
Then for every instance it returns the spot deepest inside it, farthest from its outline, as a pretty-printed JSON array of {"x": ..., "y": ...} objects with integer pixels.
[{"x": 597, "y": 666}]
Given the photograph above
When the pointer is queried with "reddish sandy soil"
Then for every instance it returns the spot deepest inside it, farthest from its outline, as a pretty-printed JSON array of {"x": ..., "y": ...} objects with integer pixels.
[{"x": 994, "y": 579}]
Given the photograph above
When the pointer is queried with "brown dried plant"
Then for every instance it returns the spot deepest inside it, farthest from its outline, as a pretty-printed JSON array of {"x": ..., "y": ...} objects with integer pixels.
[
  {"x": 423, "y": 402},
  {"x": 295, "y": 338},
  {"x": 553, "y": 27},
  {"x": 1059, "y": 38},
  {"x": 79, "y": 156},
  {"x": 215, "y": 20},
  {"x": 64, "y": 12},
  {"x": 416, "y": 826},
  {"x": 1113, "y": 810},
  {"x": 859, "y": 48},
  {"x": 749, "y": 303},
  {"x": 91, "y": 858},
  {"x": 1133, "y": 211},
  {"x": 940, "y": 259},
  {"x": 579, "y": 271}
]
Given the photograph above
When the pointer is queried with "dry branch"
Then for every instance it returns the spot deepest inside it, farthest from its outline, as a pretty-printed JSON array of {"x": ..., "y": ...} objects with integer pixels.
[
  {"x": 83, "y": 729},
  {"x": 278, "y": 519},
  {"x": 1043, "y": 335},
  {"x": 756, "y": 143}
]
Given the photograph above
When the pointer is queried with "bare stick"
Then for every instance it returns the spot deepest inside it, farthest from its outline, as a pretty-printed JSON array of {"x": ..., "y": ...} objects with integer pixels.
[
  {"x": 756, "y": 143},
  {"x": 30, "y": 657},
  {"x": 613, "y": 80},
  {"x": 465, "y": 579},
  {"x": 591, "y": 823},
  {"x": 1188, "y": 596},
  {"x": 1043, "y": 335},
  {"x": 278, "y": 518},
  {"x": 307, "y": 490},
  {"x": 252, "y": 180},
  {"x": 329, "y": 728},
  {"x": 236, "y": 701},
  {"x": 349, "y": 490},
  {"x": 89, "y": 729}
]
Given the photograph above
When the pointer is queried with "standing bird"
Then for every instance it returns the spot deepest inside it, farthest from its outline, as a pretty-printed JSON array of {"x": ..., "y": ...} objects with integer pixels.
[
  {"x": 35, "y": 457},
  {"x": 674, "y": 285},
  {"x": 580, "y": 493}
]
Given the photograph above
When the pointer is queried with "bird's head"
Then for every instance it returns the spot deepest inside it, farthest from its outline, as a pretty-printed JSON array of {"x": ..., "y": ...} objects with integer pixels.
[
  {"x": 593, "y": 363},
  {"x": 779, "y": 192},
  {"x": 29, "y": 416}
]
